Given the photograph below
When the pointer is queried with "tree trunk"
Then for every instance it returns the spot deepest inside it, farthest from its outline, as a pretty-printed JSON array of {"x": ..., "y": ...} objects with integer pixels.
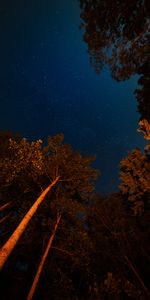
[
  {"x": 43, "y": 259},
  {"x": 12, "y": 241}
]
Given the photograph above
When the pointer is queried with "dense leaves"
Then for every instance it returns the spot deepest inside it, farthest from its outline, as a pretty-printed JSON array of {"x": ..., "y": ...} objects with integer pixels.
[
  {"x": 135, "y": 175},
  {"x": 25, "y": 169},
  {"x": 117, "y": 33}
]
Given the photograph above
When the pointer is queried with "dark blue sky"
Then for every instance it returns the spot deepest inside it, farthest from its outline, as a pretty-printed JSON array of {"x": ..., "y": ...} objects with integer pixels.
[{"x": 48, "y": 86}]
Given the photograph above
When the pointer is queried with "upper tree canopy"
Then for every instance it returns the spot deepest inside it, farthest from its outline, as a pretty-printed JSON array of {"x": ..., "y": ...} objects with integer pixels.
[
  {"x": 26, "y": 168},
  {"x": 24, "y": 163},
  {"x": 117, "y": 33}
]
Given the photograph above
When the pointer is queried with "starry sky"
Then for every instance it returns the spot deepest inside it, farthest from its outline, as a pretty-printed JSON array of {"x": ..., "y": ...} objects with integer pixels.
[{"x": 47, "y": 86}]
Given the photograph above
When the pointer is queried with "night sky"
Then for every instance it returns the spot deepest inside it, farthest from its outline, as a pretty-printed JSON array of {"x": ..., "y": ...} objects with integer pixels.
[{"x": 47, "y": 86}]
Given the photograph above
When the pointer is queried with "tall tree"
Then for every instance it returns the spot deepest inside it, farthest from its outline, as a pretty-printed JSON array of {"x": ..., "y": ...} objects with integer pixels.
[{"x": 36, "y": 166}]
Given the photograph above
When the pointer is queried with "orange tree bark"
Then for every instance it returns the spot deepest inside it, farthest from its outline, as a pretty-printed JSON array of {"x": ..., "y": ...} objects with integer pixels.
[
  {"x": 12, "y": 241},
  {"x": 43, "y": 259}
]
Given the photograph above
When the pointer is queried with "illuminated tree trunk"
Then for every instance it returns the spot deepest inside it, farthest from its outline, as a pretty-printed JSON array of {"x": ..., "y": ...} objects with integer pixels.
[
  {"x": 12, "y": 241},
  {"x": 43, "y": 259}
]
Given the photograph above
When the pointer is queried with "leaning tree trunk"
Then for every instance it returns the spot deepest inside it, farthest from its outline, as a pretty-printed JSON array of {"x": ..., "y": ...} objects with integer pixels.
[
  {"x": 43, "y": 259},
  {"x": 12, "y": 241}
]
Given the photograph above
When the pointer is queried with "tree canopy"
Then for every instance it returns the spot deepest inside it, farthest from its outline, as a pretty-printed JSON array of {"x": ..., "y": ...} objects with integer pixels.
[
  {"x": 135, "y": 174},
  {"x": 116, "y": 33},
  {"x": 26, "y": 169}
]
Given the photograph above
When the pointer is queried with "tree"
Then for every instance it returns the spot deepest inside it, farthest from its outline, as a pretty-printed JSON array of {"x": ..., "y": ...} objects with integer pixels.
[
  {"x": 43, "y": 259},
  {"x": 117, "y": 34},
  {"x": 135, "y": 175},
  {"x": 68, "y": 198},
  {"x": 6, "y": 250},
  {"x": 23, "y": 160}
]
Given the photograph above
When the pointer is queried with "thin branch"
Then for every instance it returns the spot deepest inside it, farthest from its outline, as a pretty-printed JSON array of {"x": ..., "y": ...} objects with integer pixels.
[
  {"x": 5, "y": 206},
  {"x": 62, "y": 250}
]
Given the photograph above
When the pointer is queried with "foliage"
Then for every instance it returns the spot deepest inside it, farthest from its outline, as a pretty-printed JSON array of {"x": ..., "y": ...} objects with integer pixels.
[
  {"x": 101, "y": 250},
  {"x": 23, "y": 160},
  {"x": 144, "y": 128},
  {"x": 116, "y": 33},
  {"x": 135, "y": 174},
  {"x": 26, "y": 168},
  {"x": 75, "y": 171}
]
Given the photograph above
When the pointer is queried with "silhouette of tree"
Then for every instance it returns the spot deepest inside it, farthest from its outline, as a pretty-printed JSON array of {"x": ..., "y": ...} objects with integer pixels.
[{"x": 116, "y": 33}]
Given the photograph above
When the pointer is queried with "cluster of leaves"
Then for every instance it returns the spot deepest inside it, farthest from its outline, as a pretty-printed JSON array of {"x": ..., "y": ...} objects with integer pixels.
[
  {"x": 22, "y": 158},
  {"x": 135, "y": 176}
]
